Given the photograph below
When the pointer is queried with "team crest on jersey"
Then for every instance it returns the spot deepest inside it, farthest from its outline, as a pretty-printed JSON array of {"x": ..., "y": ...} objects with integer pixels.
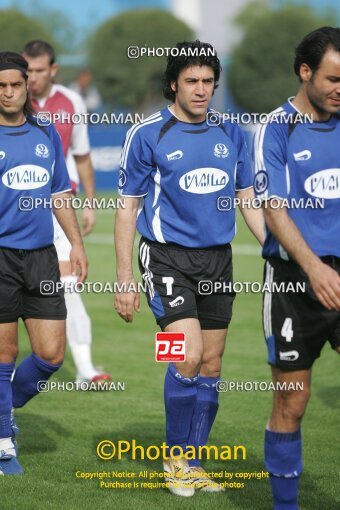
[
  {"x": 204, "y": 180},
  {"x": 24, "y": 177},
  {"x": 122, "y": 178},
  {"x": 324, "y": 184},
  {"x": 221, "y": 150},
  {"x": 2, "y": 155},
  {"x": 261, "y": 182},
  {"x": 42, "y": 151}
]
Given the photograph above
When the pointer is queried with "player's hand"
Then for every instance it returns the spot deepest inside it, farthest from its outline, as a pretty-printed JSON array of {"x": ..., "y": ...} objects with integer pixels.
[
  {"x": 88, "y": 220},
  {"x": 79, "y": 263},
  {"x": 325, "y": 282},
  {"x": 126, "y": 302}
]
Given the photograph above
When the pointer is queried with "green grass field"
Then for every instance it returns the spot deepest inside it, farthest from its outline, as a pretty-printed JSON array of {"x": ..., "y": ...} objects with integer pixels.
[{"x": 60, "y": 430}]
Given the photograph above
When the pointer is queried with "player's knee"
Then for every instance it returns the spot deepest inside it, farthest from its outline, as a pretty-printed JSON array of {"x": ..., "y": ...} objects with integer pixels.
[
  {"x": 292, "y": 404},
  {"x": 192, "y": 365},
  {"x": 53, "y": 358},
  {"x": 9, "y": 355},
  {"x": 211, "y": 367}
]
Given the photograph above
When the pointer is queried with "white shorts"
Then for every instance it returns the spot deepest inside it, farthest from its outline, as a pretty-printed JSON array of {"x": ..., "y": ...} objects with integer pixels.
[{"x": 62, "y": 244}]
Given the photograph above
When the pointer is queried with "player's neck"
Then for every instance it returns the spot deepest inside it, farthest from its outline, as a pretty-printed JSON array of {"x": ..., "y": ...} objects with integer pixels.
[
  {"x": 305, "y": 107},
  {"x": 15, "y": 119},
  {"x": 44, "y": 95},
  {"x": 185, "y": 116}
]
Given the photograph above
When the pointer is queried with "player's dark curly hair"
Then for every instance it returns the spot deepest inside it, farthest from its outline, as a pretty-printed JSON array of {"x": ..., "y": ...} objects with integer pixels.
[
  {"x": 312, "y": 48},
  {"x": 12, "y": 60},
  {"x": 194, "y": 53}
]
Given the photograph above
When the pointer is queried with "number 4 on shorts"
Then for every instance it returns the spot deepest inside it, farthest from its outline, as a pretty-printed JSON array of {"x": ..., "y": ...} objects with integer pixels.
[{"x": 287, "y": 329}]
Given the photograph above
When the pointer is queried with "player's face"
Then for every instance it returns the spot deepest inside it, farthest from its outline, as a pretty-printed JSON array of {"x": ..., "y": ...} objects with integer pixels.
[
  {"x": 13, "y": 93},
  {"x": 323, "y": 87},
  {"x": 40, "y": 75},
  {"x": 194, "y": 89}
]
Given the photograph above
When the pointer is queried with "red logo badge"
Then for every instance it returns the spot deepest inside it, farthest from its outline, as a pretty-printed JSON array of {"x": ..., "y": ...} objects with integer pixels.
[{"x": 170, "y": 347}]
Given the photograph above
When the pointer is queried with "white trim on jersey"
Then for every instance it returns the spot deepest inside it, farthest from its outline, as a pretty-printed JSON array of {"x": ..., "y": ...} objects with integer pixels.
[
  {"x": 144, "y": 253},
  {"x": 287, "y": 179},
  {"x": 156, "y": 226},
  {"x": 258, "y": 145},
  {"x": 130, "y": 134},
  {"x": 267, "y": 302},
  {"x": 63, "y": 191},
  {"x": 157, "y": 180}
]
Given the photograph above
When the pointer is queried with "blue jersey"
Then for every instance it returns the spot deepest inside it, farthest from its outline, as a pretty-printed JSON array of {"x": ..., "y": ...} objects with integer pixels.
[
  {"x": 32, "y": 166},
  {"x": 301, "y": 160},
  {"x": 183, "y": 170}
]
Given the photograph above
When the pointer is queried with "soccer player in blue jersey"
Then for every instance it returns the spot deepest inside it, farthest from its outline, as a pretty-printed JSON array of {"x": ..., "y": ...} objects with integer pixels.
[
  {"x": 300, "y": 160},
  {"x": 175, "y": 167},
  {"x": 33, "y": 174}
]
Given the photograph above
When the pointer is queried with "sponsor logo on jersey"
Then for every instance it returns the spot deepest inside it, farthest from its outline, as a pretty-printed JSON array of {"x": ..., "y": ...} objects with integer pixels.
[
  {"x": 25, "y": 177},
  {"x": 302, "y": 156},
  {"x": 261, "y": 182},
  {"x": 42, "y": 151},
  {"x": 324, "y": 184},
  {"x": 177, "y": 302},
  {"x": 204, "y": 180},
  {"x": 122, "y": 178},
  {"x": 175, "y": 155},
  {"x": 221, "y": 150},
  {"x": 2, "y": 155},
  {"x": 289, "y": 356}
]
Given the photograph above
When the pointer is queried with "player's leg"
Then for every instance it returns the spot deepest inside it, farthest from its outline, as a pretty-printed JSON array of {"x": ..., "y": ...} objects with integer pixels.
[
  {"x": 283, "y": 445},
  {"x": 8, "y": 354},
  {"x": 206, "y": 406},
  {"x": 296, "y": 327},
  {"x": 48, "y": 338},
  {"x": 78, "y": 322},
  {"x": 207, "y": 395},
  {"x": 10, "y": 311},
  {"x": 180, "y": 392},
  {"x": 44, "y": 314}
]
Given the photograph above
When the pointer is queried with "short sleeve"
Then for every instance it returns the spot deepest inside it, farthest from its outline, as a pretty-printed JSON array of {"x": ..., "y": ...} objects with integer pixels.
[
  {"x": 244, "y": 172},
  {"x": 136, "y": 163},
  {"x": 269, "y": 156}
]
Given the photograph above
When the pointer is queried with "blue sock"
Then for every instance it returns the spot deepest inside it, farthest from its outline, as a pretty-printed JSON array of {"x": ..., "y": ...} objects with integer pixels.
[
  {"x": 283, "y": 458},
  {"x": 180, "y": 399},
  {"x": 6, "y": 371},
  {"x": 204, "y": 414},
  {"x": 25, "y": 382}
]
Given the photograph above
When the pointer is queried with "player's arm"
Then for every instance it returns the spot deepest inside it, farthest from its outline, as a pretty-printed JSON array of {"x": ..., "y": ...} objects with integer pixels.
[
  {"x": 325, "y": 281},
  {"x": 63, "y": 209},
  {"x": 125, "y": 231},
  {"x": 252, "y": 216},
  {"x": 245, "y": 191},
  {"x": 86, "y": 177},
  {"x": 67, "y": 219},
  {"x": 270, "y": 159}
]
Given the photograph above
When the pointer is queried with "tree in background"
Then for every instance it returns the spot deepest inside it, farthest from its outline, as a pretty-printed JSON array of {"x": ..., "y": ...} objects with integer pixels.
[
  {"x": 261, "y": 74},
  {"x": 16, "y": 29},
  {"x": 133, "y": 82}
]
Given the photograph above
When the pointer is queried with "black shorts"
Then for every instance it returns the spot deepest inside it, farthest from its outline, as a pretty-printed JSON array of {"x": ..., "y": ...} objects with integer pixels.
[
  {"x": 171, "y": 274},
  {"x": 21, "y": 274},
  {"x": 296, "y": 324}
]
